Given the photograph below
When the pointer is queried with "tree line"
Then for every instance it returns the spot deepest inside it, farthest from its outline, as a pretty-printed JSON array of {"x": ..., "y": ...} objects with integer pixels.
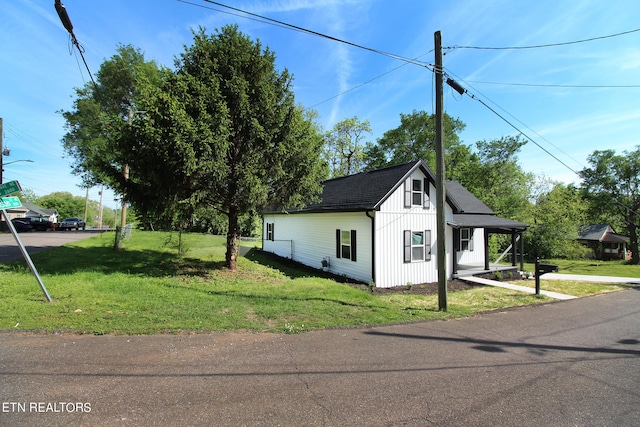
[{"x": 211, "y": 142}]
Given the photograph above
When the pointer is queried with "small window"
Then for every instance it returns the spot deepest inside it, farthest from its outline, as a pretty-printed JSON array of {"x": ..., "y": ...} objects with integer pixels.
[
  {"x": 346, "y": 244},
  {"x": 417, "y": 246},
  {"x": 416, "y": 192},
  {"x": 270, "y": 231},
  {"x": 466, "y": 239}
]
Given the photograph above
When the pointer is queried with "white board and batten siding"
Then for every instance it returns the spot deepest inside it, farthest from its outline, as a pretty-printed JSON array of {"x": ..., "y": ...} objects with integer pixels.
[
  {"x": 392, "y": 220},
  {"x": 308, "y": 238}
]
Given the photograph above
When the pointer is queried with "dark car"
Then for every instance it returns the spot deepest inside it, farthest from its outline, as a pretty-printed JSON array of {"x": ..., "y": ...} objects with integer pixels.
[
  {"x": 22, "y": 224},
  {"x": 71, "y": 223},
  {"x": 41, "y": 224}
]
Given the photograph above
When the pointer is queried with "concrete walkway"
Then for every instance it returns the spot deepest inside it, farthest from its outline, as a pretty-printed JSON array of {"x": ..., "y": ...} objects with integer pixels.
[
  {"x": 584, "y": 278},
  {"x": 519, "y": 288}
]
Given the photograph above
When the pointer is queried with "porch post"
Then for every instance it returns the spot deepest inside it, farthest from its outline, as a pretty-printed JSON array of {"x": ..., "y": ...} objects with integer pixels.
[
  {"x": 521, "y": 234},
  {"x": 456, "y": 244},
  {"x": 514, "y": 248},
  {"x": 486, "y": 249}
]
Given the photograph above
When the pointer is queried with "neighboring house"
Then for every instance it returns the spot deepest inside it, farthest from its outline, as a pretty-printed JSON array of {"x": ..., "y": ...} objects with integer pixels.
[
  {"x": 380, "y": 227},
  {"x": 37, "y": 212},
  {"x": 605, "y": 243}
]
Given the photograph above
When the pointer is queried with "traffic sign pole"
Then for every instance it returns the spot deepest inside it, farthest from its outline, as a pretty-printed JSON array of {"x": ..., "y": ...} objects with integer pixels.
[{"x": 25, "y": 254}]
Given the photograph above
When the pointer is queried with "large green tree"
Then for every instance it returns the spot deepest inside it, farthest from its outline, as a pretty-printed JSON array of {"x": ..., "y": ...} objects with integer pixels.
[
  {"x": 612, "y": 184},
  {"x": 99, "y": 133},
  {"x": 344, "y": 146},
  {"x": 223, "y": 131},
  {"x": 493, "y": 174},
  {"x": 556, "y": 215},
  {"x": 414, "y": 139}
]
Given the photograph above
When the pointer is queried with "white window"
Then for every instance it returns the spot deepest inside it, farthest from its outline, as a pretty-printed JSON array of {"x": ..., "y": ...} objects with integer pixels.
[
  {"x": 416, "y": 193},
  {"x": 466, "y": 239},
  {"x": 346, "y": 244},
  {"x": 417, "y": 246},
  {"x": 270, "y": 231}
]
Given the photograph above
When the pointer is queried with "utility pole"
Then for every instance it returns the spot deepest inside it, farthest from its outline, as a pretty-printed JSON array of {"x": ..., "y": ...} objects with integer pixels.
[
  {"x": 100, "y": 208},
  {"x": 440, "y": 178},
  {"x": 125, "y": 172}
]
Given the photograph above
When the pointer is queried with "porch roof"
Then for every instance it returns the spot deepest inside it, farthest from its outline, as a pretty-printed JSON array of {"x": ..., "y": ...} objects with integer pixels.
[{"x": 492, "y": 223}]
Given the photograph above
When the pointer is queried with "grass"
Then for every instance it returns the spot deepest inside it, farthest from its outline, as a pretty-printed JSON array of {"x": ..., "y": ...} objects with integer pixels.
[
  {"x": 147, "y": 288},
  {"x": 592, "y": 267}
]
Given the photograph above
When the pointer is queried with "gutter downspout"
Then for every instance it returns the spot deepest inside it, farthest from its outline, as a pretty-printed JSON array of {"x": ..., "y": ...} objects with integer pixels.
[{"x": 373, "y": 246}]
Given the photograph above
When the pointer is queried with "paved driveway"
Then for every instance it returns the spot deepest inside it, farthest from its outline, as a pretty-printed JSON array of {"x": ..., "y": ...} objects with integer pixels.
[
  {"x": 569, "y": 363},
  {"x": 37, "y": 241}
]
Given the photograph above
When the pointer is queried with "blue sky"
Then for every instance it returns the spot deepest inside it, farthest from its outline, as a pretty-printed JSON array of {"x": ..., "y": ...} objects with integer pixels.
[{"x": 38, "y": 72}]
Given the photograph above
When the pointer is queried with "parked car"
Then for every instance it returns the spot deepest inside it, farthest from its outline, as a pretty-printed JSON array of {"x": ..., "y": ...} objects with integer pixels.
[
  {"x": 71, "y": 223},
  {"x": 22, "y": 224},
  {"x": 41, "y": 224}
]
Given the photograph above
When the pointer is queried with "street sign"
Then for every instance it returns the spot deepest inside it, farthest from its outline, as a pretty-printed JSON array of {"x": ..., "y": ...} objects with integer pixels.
[
  {"x": 9, "y": 188},
  {"x": 10, "y": 202}
]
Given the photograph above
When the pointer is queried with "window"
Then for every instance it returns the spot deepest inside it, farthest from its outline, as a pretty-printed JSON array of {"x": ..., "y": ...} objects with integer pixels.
[
  {"x": 417, "y": 246},
  {"x": 416, "y": 193},
  {"x": 346, "y": 244},
  {"x": 270, "y": 231},
  {"x": 466, "y": 239}
]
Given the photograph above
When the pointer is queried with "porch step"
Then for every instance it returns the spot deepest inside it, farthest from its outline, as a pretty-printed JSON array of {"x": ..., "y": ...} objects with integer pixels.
[{"x": 481, "y": 281}]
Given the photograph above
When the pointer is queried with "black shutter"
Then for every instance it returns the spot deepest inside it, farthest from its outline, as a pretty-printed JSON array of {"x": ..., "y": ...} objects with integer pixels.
[
  {"x": 471, "y": 239},
  {"x": 338, "y": 243},
  {"x": 407, "y": 245},
  {"x": 407, "y": 193},
  {"x": 427, "y": 245},
  {"x": 273, "y": 231},
  {"x": 425, "y": 198},
  {"x": 353, "y": 245}
]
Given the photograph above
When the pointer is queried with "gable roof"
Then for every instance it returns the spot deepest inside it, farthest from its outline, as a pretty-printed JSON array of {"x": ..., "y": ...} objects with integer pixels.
[
  {"x": 462, "y": 201},
  {"x": 364, "y": 191},
  {"x": 38, "y": 210},
  {"x": 600, "y": 233}
]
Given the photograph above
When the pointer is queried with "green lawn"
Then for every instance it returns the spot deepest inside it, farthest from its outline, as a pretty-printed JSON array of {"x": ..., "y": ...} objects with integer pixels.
[
  {"x": 592, "y": 267},
  {"x": 147, "y": 288}
]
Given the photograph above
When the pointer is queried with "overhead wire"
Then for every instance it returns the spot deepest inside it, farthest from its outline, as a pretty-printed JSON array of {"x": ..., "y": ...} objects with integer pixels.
[
  {"x": 315, "y": 33},
  {"x": 543, "y": 45},
  {"x": 476, "y": 98}
]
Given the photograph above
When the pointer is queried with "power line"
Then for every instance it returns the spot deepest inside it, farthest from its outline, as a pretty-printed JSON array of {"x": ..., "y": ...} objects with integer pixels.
[
  {"x": 557, "y": 85},
  {"x": 544, "y": 45},
  {"x": 286, "y": 25},
  {"x": 472, "y": 96}
]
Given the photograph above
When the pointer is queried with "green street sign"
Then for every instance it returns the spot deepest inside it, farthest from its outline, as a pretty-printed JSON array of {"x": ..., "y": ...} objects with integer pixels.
[
  {"x": 9, "y": 188},
  {"x": 10, "y": 202}
]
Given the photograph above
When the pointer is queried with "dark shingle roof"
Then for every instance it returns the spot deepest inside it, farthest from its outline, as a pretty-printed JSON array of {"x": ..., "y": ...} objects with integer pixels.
[
  {"x": 463, "y": 201},
  {"x": 366, "y": 191},
  {"x": 363, "y": 191},
  {"x": 602, "y": 233}
]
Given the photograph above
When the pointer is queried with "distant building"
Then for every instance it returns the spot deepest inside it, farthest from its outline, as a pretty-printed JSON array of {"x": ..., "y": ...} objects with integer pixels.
[{"x": 604, "y": 242}]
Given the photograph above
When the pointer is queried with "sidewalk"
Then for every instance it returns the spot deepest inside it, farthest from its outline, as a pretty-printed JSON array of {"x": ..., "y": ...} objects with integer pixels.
[
  {"x": 519, "y": 288},
  {"x": 585, "y": 278}
]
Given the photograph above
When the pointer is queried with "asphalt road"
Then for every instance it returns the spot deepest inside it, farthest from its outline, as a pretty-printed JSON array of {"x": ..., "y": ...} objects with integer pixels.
[
  {"x": 569, "y": 363},
  {"x": 36, "y": 241}
]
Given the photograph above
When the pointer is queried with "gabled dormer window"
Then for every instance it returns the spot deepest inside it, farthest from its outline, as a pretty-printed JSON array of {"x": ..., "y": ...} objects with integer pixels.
[{"x": 416, "y": 193}]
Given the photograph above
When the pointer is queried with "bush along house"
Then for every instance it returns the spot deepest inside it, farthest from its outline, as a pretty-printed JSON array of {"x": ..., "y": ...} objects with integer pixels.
[{"x": 379, "y": 227}]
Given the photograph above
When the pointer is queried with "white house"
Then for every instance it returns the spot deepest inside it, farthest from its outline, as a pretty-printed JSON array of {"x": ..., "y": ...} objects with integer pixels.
[{"x": 380, "y": 226}]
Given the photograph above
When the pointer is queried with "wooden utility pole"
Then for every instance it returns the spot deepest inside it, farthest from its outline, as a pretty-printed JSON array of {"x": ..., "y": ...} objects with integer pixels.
[{"x": 440, "y": 178}]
